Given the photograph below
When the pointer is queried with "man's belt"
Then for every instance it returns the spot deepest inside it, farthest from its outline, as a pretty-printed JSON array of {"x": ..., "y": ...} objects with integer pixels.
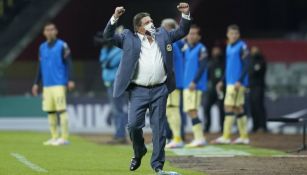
[{"x": 149, "y": 86}]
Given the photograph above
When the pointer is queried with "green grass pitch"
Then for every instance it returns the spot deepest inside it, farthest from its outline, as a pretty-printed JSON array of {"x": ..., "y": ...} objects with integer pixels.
[
  {"x": 79, "y": 158},
  {"x": 22, "y": 153}
]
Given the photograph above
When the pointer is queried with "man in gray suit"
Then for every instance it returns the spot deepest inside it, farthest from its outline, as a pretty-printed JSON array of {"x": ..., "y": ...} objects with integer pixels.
[{"x": 146, "y": 73}]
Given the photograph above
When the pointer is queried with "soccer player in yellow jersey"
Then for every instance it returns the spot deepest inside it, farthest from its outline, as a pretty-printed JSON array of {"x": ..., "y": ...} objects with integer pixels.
[
  {"x": 194, "y": 82},
  {"x": 236, "y": 83},
  {"x": 54, "y": 73}
]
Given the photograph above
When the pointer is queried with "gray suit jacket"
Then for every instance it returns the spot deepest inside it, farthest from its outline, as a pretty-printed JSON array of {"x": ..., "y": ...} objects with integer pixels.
[{"x": 131, "y": 45}]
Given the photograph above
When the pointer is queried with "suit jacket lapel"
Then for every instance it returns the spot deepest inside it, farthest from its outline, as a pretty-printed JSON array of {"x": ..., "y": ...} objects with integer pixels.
[
  {"x": 160, "y": 42},
  {"x": 136, "y": 46}
]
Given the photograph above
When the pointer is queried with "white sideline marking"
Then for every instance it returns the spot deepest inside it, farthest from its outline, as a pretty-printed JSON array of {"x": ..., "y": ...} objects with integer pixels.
[
  {"x": 291, "y": 156},
  {"x": 210, "y": 151},
  {"x": 28, "y": 163},
  {"x": 216, "y": 156}
]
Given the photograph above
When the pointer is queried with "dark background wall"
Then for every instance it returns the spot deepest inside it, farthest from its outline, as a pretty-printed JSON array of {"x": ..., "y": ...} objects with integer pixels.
[{"x": 81, "y": 19}]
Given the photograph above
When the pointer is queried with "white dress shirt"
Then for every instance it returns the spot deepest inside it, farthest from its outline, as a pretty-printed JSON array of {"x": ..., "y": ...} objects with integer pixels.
[{"x": 150, "y": 67}]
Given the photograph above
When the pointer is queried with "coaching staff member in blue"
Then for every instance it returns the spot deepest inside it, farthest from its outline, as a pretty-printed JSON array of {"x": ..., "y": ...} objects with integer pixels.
[{"x": 146, "y": 72}]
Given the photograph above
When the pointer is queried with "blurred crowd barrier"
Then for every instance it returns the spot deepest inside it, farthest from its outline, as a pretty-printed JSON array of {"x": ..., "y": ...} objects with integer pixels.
[
  {"x": 89, "y": 109},
  {"x": 18, "y": 78},
  {"x": 282, "y": 79},
  {"x": 90, "y": 114}
]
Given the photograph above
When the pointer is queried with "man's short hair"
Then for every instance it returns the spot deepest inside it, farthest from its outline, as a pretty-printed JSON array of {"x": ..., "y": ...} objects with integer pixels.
[
  {"x": 233, "y": 27},
  {"x": 137, "y": 20},
  {"x": 49, "y": 23},
  {"x": 195, "y": 26}
]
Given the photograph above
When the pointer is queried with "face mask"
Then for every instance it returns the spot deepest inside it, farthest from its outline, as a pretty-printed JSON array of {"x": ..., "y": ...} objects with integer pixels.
[{"x": 150, "y": 28}]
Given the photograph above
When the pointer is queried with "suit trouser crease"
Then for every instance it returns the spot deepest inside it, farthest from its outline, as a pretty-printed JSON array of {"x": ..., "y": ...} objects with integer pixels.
[{"x": 154, "y": 99}]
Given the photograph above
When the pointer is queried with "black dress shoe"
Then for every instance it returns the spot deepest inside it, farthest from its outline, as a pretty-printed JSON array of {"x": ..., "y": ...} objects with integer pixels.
[{"x": 136, "y": 161}]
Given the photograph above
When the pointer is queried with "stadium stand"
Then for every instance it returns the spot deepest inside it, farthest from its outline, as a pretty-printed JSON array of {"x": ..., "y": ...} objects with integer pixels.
[
  {"x": 9, "y": 9},
  {"x": 24, "y": 25}
]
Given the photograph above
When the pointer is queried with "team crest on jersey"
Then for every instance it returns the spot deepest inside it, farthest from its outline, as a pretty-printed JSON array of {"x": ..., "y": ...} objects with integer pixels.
[{"x": 169, "y": 47}]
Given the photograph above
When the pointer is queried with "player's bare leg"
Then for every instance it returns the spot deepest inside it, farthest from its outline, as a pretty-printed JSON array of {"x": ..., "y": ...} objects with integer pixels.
[
  {"x": 63, "y": 140},
  {"x": 242, "y": 126},
  {"x": 199, "y": 139},
  {"x": 174, "y": 120},
  {"x": 52, "y": 120},
  {"x": 228, "y": 123}
]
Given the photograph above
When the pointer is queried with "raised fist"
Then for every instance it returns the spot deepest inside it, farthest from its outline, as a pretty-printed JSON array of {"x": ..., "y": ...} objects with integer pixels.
[
  {"x": 183, "y": 8},
  {"x": 119, "y": 11}
]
